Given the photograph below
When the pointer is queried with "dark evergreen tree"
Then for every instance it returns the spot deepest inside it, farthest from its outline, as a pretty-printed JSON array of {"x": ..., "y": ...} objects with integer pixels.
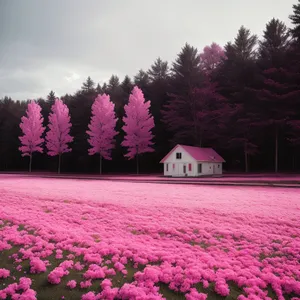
[
  {"x": 186, "y": 71},
  {"x": 51, "y": 98},
  {"x": 99, "y": 89},
  {"x": 142, "y": 80},
  {"x": 159, "y": 71},
  {"x": 277, "y": 94},
  {"x": 295, "y": 19},
  {"x": 237, "y": 75},
  {"x": 88, "y": 85}
]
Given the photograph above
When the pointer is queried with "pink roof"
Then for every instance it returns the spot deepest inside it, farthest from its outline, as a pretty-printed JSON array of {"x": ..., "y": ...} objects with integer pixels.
[{"x": 199, "y": 154}]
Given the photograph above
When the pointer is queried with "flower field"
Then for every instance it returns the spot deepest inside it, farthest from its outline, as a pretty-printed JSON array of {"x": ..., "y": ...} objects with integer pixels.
[{"x": 84, "y": 239}]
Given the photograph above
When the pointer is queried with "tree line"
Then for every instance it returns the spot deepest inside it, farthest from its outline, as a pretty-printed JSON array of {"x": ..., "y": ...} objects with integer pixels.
[
  {"x": 138, "y": 124},
  {"x": 242, "y": 99}
]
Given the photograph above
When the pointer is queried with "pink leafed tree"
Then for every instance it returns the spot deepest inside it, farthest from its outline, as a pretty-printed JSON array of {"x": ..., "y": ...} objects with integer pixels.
[
  {"x": 32, "y": 128},
  {"x": 58, "y": 136},
  {"x": 211, "y": 57},
  {"x": 138, "y": 125},
  {"x": 102, "y": 128}
]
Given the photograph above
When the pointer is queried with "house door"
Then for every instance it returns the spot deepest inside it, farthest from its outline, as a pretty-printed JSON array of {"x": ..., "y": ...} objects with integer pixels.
[
  {"x": 214, "y": 170},
  {"x": 184, "y": 169}
]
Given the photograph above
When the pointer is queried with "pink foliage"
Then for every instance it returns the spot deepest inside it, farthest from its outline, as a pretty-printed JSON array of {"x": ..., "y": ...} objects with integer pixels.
[
  {"x": 183, "y": 235},
  {"x": 78, "y": 266},
  {"x": 88, "y": 296},
  {"x": 55, "y": 276},
  {"x": 32, "y": 128},
  {"x": 138, "y": 124},
  {"x": 58, "y": 135},
  {"x": 24, "y": 283},
  {"x": 37, "y": 265},
  {"x": 102, "y": 127},
  {"x": 106, "y": 283},
  {"x": 71, "y": 284},
  {"x": 29, "y": 294},
  {"x": 211, "y": 57},
  {"x": 86, "y": 284},
  {"x": 108, "y": 293},
  {"x": 94, "y": 272},
  {"x": 4, "y": 273},
  {"x": 194, "y": 295}
]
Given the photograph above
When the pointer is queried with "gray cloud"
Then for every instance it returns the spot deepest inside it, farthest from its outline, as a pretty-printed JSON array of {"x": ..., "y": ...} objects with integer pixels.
[{"x": 56, "y": 44}]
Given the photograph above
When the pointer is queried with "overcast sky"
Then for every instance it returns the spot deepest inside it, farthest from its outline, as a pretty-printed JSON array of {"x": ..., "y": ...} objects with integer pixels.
[{"x": 56, "y": 44}]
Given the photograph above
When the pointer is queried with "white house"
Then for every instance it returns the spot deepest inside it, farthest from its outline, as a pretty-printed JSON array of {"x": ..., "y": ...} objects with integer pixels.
[{"x": 192, "y": 161}]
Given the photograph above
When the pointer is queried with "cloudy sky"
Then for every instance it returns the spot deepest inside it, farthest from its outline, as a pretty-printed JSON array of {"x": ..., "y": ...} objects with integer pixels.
[{"x": 56, "y": 44}]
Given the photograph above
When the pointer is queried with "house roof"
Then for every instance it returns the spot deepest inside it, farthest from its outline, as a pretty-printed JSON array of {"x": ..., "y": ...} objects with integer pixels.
[{"x": 199, "y": 154}]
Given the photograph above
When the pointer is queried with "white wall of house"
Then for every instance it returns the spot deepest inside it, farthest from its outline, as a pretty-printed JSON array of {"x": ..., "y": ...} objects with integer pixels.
[
  {"x": 176, "y": 167},
  {"x": 188, "y": 165}
]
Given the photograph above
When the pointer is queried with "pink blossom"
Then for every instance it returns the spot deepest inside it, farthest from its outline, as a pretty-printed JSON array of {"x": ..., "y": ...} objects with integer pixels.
[
  {"x": 78, "y": 266},
  {"x": 4, "y": 273},
  {"x": 24, "y": 283},
  {"x": 71, "y": 284},
  {"x": 37, "y": 265},
  {"x": 106, "y": 283},
  {"x": 85, "y": 284},
  {"x": 88, "y": 296},
  {"x": 94, "y": 272},
  {"x": 28, "y": 295},
  {"x": 194, "y": 295},
  {"x": 55, "y": 276},
  {"x": 109, "y": 293},
  {"x": 215, "y": 237}
]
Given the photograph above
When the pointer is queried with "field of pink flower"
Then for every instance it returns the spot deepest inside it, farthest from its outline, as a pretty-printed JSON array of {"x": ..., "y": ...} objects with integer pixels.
[{"x": 84, "y": 239}]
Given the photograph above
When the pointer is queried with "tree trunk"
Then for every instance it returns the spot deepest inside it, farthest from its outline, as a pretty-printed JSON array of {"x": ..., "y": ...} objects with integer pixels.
[
  {"x": 59, "y": 162},
  {"x": 30, "y": 162},
  {"x": 137, "y": 164},
  {"x": 246, "y": 158},
  {"x": 100, "y": 165},
  {"x": 276, "y": 150}
]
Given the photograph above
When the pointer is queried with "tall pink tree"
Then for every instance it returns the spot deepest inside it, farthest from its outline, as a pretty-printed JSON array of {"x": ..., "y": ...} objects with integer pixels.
[
  {"x": 58, "y": 136},
  {"x": 102, "y": 128},
  {"x": 32, "y": 128},
  {"x": 138, "y": 125},
  {"x": 211, "y": 57}
]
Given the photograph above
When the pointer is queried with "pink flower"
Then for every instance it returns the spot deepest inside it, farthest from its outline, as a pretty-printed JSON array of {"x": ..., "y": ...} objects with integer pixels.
[
  {"x": 4, "y": 273},
  {"x": 55, "y": 276},
  {"x": 28, "y": 295},
  {"x": 24, "y": 283},
  {"x": 37, "y": 265},
  {"x": 78, "y": 266},
  {"x": 85, "y": 284},
  {"x": 71, "y": 284},
  {"x": 106, "y": 283},
  {"x": 222, "y": 288},
  {"x": 88, "y": 296}
]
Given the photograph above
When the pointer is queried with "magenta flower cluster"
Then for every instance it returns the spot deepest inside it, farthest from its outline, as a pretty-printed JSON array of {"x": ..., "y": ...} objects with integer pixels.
[{"x": 181, "y": 236}]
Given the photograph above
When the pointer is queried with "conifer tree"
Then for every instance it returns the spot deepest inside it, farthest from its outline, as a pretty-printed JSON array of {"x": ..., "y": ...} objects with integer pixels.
[
  {"x": 58, "y": 136},
  {"x": 102, "y": 128},
  {"x": 32, "y": 128},
  {"x": 138, "y": 125}
]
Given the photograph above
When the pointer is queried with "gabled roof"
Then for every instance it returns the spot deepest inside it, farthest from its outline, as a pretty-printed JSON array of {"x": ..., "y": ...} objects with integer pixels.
[{"x": 199, "y": 154}]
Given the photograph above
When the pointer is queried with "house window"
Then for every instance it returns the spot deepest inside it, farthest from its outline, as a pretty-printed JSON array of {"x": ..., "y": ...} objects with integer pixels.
[
  {"x": 199, "y": 168},
  {"x": 190, "y": 167},
  {"x": 178, "y": 155},
  {"x": 167, "y": 167},
  {"x": 173, "y": 166},
  {"x": 219, "y": 166}
]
